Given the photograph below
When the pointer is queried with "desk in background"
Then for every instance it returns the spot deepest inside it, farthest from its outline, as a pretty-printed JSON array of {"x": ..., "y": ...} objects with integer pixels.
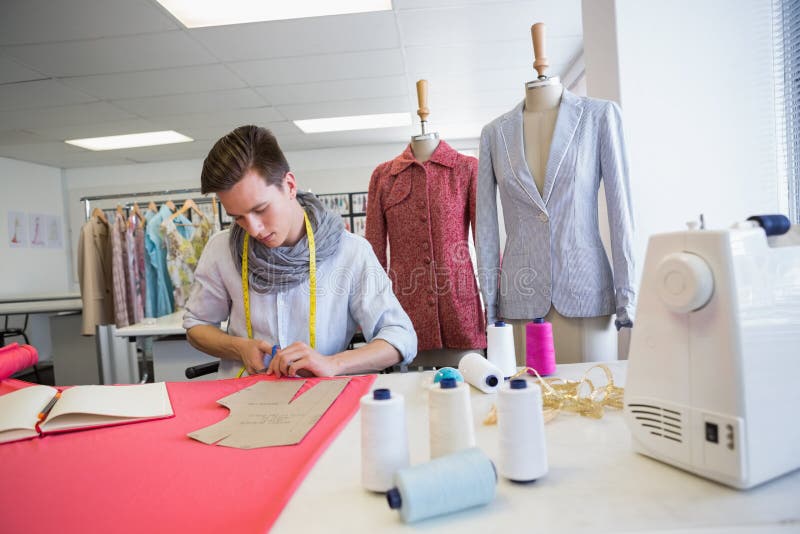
[
  {"x": 172, "y": 353},
  {"x": 75, "y": 357}
]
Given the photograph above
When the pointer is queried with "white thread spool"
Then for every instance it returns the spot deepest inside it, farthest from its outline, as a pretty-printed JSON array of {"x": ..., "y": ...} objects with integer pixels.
[
  {"x": 450, "y": 417},
  {"x": 480, "y": 372},
  {"x": 384, "y": 439},
  {"x": 500, "y": 347},
  {"x": 460, "y": 480},
  {"x": 523, "y": 452}
]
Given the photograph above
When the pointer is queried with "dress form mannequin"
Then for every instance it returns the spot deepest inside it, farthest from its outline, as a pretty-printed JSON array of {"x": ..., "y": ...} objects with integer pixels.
[
  {"x": 576, "y": 339},
  {"x": 424, "y": 144}
]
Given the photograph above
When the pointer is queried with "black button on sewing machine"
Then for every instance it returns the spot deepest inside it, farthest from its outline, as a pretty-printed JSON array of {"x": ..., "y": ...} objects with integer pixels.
[{"x": 712, "y": 432}]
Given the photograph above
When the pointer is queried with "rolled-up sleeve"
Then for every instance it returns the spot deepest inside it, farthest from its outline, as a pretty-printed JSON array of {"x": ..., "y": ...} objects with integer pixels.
[
  {"x": 376, "y": 309},
  {"x": 209, "y": 301}
]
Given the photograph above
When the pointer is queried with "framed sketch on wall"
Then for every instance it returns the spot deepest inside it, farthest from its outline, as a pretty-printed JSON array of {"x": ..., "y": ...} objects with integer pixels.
[
  {"x": 17, "y": 229},
  {"x": 37, "y": 230},
  {"x": 55, "y": 234}
]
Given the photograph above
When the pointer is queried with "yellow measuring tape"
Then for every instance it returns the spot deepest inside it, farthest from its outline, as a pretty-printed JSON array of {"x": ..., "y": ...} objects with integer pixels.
[{"x": 312, "y": 281}]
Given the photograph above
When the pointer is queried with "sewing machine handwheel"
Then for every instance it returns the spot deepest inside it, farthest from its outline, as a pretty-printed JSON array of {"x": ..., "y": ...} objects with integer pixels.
[{"x": 685, "y": 282}]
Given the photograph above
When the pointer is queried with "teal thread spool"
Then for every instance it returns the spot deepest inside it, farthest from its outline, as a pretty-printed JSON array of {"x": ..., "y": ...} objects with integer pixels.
[
  {"x": 458, "y": 481},
  {"x": 447, "y": 372}
]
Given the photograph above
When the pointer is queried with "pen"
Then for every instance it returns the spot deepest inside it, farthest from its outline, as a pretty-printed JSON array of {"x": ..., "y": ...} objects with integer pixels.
[
  {"x": 275, "y": 349},
  {"x": 49, "y": 406}
]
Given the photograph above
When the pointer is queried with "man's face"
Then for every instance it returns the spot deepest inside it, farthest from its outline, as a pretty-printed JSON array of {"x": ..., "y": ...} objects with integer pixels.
[{"x": 264, "y": 211}]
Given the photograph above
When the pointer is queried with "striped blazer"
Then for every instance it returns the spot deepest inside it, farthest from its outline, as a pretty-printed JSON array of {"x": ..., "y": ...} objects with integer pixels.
[{"x": 553, "y": 252}]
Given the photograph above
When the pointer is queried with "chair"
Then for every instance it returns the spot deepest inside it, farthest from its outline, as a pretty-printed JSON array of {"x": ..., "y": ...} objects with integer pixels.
[{"x": 9, "y": 331}]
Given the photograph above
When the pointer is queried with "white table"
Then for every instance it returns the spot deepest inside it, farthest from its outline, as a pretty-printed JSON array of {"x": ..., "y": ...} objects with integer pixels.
[
  {"x": 172, "y": 353},
  {"x": 50, "y": 303},
  {"x": 596, "y": 483}
]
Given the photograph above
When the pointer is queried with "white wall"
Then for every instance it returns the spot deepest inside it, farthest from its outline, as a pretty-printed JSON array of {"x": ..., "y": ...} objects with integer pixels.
[
  {"x": 30, "y": 188},
  {"x": 695, "y": 82}
]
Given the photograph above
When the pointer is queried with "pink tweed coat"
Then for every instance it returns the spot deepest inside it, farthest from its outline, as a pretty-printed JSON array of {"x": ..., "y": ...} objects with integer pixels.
[{"x": 424, "y": 212}]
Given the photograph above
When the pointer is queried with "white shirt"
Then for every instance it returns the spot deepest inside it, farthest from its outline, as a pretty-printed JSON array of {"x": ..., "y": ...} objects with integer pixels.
[{"x": 352, "y": 290}]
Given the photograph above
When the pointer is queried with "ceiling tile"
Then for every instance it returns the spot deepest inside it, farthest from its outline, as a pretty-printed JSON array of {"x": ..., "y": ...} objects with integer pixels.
[
  {"x": 488, "y": 56},
  {"x": 442, "y": 86},
  {"x": 39, "y": 94},
  {"x": 229, "y": 119},
  {"x": 299, "y": 37},
  {"x": 321, "y": 67},
  {"x": 20, "y": 137},
  {"x": 62, "y": 116},
  {"x": 488, "y": 22},
  {"x": 39, "y": 21},
  {"x": 192, "y": 102},
  {"x": 335, "y": 90},
  {"x": 117, "y": 54},
  {"x": 216, "y": 132},
  {"x": 13, "y": 72},
  {"x": 157, "y": 82}
]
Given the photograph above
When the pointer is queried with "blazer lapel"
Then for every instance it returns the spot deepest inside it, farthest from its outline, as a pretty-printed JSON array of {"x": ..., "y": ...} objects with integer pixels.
[
  {"x": 515, "y": 149},
  {"x": 569, "y": 116}
]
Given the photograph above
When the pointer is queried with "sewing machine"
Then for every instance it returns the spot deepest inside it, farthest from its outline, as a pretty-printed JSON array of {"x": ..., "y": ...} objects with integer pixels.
[{"x": 713, "y": 383}]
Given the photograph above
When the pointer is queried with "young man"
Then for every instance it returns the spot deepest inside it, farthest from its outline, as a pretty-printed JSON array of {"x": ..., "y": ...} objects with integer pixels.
[{"x": 300, "y": 324}]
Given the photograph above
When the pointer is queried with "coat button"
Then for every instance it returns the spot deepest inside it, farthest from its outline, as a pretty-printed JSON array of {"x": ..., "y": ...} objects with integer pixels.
[
  {"x": 431, "y": 301},
  {"x": 543, "y": 217},
  {"x": 425, "y": 245},
  {"x": 424, "y": 218},
  {"x": 427, "y": 259}
]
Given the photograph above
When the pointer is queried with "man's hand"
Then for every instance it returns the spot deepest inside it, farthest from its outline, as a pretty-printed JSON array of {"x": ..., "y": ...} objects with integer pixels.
[
  {"x": 298, "y": 359},
  {"x": 251, "y": 352}
]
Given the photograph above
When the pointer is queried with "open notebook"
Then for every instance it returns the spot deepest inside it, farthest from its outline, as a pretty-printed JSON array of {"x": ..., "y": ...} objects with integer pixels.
[{"x": 37, "y": 410}]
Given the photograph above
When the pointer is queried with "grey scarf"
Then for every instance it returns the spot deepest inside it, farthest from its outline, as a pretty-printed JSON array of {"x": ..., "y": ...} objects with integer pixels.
[{"x": 280, "y": 268}]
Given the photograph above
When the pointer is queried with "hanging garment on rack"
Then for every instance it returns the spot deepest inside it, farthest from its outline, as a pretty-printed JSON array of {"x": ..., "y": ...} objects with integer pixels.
[
  {"x": 182, "y": 255},
  {"x": 159, "y": 288},
  {"x": 425, "y": 210},
  {"x": 555, "y": 236},
  {"x": 160, "y": 298},
  {"x": 137, "y": 290},
  {"x": 94, "y": 275},
  {"x": 119, "y": 269}
]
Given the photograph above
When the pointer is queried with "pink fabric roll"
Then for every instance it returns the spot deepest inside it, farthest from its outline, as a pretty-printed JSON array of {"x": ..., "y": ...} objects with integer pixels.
[
  {"x": 540, "y": 353},
  {"x": 15, "y": 358}
]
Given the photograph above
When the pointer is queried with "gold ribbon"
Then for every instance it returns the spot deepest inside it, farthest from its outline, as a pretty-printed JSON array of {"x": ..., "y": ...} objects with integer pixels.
[{"x": 581, "y": 396}]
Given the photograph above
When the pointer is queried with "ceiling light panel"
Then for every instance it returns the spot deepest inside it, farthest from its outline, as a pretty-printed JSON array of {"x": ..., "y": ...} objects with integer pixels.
[
  {"x": 355, "y": 122},
  {"x": 204, "y": 13},
  {"x": 115, "y": 142}
]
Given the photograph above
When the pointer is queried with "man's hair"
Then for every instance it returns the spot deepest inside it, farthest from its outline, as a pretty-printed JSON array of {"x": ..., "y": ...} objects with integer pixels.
[{"x": 244, "y": 149}]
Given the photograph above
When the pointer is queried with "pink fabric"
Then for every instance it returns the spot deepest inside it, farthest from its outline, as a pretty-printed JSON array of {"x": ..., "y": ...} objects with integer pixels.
[
  {"x": 425, "y": 210},
  {"x": 15, "y": 358},
  {"x": 151, "y": 477}
]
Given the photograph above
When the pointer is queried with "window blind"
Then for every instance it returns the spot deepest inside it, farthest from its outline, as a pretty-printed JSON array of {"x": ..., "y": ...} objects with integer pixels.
[{"x": 787, "y": 56}]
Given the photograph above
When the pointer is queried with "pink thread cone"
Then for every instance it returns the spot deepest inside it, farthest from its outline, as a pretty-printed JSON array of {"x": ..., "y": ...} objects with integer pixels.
[{"x": 540, "y": 353}]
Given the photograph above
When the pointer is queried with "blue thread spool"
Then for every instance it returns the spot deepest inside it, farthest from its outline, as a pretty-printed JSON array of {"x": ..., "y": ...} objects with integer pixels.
[
  {"x": 447, "y": 484},
  {"x": 447, "y": 372}
]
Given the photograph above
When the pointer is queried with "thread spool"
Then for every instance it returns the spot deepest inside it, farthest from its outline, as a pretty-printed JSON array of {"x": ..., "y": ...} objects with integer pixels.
[
  {"x": 455, "y": 482},
  {"x": 16, "y": 357},
  {"x": 447, "y": 372},
  {"x": 450, "y": 418},
  {"x": 384, "y": 439},
  {"x": 540, "y": 352},
  {"x": 523, "y": 451},
  {"x": 500, "y": 347},
  {"x": 480, "y": 373}
]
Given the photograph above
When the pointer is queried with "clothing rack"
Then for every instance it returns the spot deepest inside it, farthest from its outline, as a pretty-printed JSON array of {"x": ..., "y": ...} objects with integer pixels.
[{"x": 87, "y": 201}]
